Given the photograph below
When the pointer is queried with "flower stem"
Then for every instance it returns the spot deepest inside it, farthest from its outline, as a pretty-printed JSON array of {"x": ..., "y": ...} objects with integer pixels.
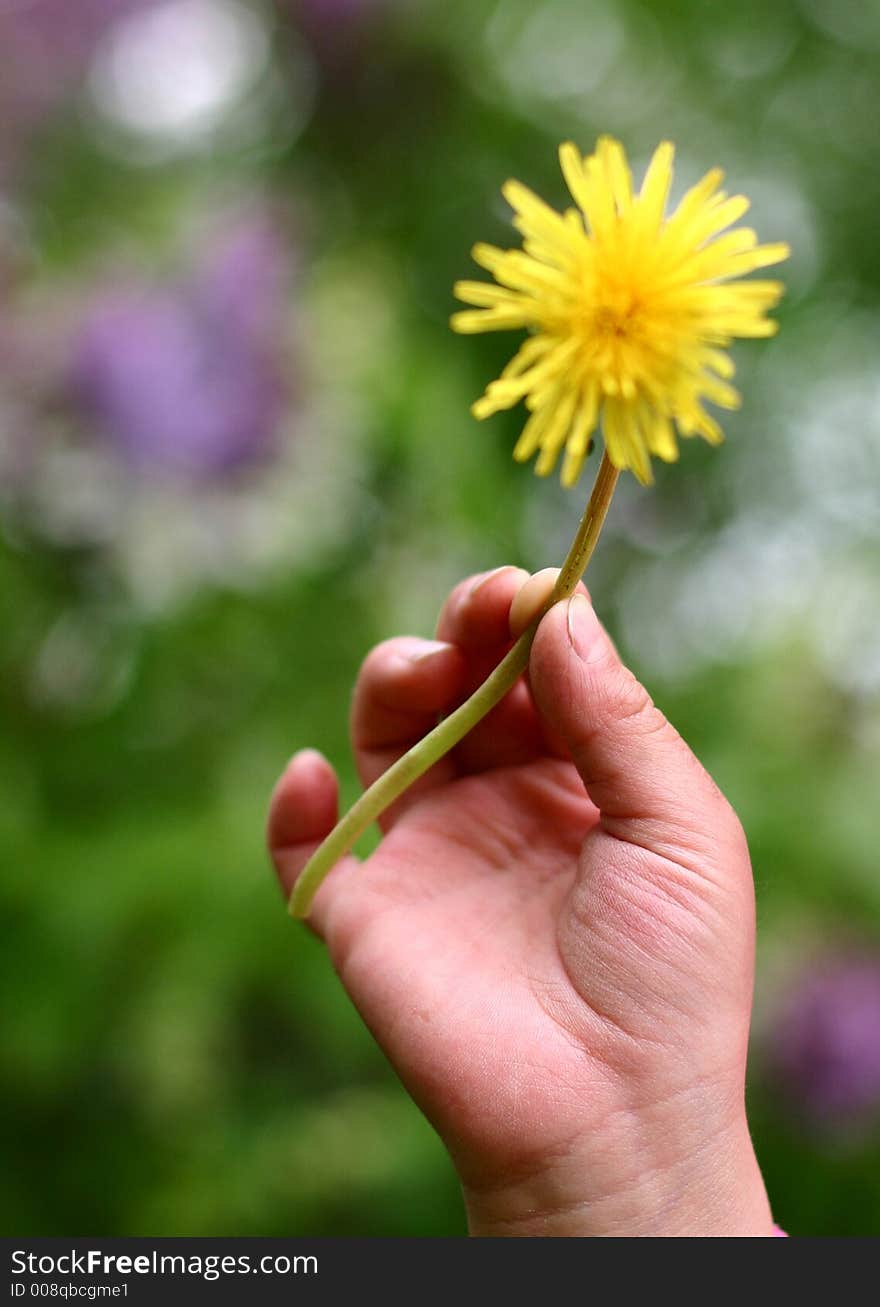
[{"x": 447, "y": 734}]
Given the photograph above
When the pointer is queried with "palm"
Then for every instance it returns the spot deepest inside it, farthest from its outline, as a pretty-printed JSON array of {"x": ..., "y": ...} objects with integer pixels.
[
  {"x": 448, "y": 945},
  {"x": 520, "y": 964}
]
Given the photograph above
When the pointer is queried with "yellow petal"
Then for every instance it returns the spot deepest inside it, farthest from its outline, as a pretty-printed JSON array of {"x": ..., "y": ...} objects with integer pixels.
[{"x": 629, "y": 311}]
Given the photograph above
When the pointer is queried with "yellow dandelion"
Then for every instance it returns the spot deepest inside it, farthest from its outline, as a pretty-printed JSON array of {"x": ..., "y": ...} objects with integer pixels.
[{"x": 630, "y": 311}]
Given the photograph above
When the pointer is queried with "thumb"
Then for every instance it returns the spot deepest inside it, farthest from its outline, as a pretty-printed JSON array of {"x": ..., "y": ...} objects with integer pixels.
[
  {"x": 658, "y": 932},
  {"x": 649, "y": 788}
]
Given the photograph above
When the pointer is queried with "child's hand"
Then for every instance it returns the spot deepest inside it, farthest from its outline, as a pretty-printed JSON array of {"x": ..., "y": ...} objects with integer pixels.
[{"x": 554, "y": 941}]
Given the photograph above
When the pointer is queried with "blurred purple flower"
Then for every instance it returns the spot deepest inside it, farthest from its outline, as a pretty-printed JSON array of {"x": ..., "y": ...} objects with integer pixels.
[
  {"x": 825, "y": 1045},
  {"x": 185, "y": 380}
]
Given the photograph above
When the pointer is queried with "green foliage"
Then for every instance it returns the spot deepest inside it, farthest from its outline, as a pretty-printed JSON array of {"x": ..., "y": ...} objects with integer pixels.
[{"x": 177, "y": 1057}]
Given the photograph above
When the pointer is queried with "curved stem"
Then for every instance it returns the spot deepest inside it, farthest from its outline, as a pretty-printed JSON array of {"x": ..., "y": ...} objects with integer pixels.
[{"x": 447, "y": 734}]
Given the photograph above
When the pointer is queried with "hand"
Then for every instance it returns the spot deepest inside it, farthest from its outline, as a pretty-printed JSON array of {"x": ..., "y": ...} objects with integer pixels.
[{"x": 553, "y": 943}]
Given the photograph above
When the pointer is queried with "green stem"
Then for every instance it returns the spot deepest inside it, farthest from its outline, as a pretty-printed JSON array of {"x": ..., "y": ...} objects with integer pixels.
[{"x": 447, "y": 734}]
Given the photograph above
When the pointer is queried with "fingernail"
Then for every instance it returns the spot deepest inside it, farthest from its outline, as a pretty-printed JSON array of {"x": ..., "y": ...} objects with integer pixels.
[
  {"x": 490, "y": 576},
  {"x": 531, "y": 597},
  {"x": 583, "y": 626},
  {"x": 428, "y": 649}
]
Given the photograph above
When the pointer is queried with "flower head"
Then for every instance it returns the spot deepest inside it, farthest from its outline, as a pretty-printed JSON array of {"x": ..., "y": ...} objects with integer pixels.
[
  {"x": 184, "y": 380},
  {"x": 629, "y": 311},
  {"x": 825, "y": 1046}
]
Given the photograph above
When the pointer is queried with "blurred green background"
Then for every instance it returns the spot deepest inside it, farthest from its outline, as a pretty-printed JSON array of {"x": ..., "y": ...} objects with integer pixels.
[{"x": 235, "y": 452}]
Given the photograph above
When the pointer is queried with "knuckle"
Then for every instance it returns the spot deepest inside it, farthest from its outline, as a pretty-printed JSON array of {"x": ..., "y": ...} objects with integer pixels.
[
  {"x": 460, "y": 593},
  {"x": 379, "y": 656},
  {"x": 633, "y": 703},
  {"x": 620, "y": 697},
  {"x": 452, "y": 606}
]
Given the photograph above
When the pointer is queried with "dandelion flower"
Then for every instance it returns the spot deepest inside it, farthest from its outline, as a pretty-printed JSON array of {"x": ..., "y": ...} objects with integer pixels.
[{"x": 629, "y": 311}]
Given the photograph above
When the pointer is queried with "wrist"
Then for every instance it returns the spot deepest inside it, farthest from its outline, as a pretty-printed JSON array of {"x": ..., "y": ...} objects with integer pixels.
[{"x": 712, "y": 1188}]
